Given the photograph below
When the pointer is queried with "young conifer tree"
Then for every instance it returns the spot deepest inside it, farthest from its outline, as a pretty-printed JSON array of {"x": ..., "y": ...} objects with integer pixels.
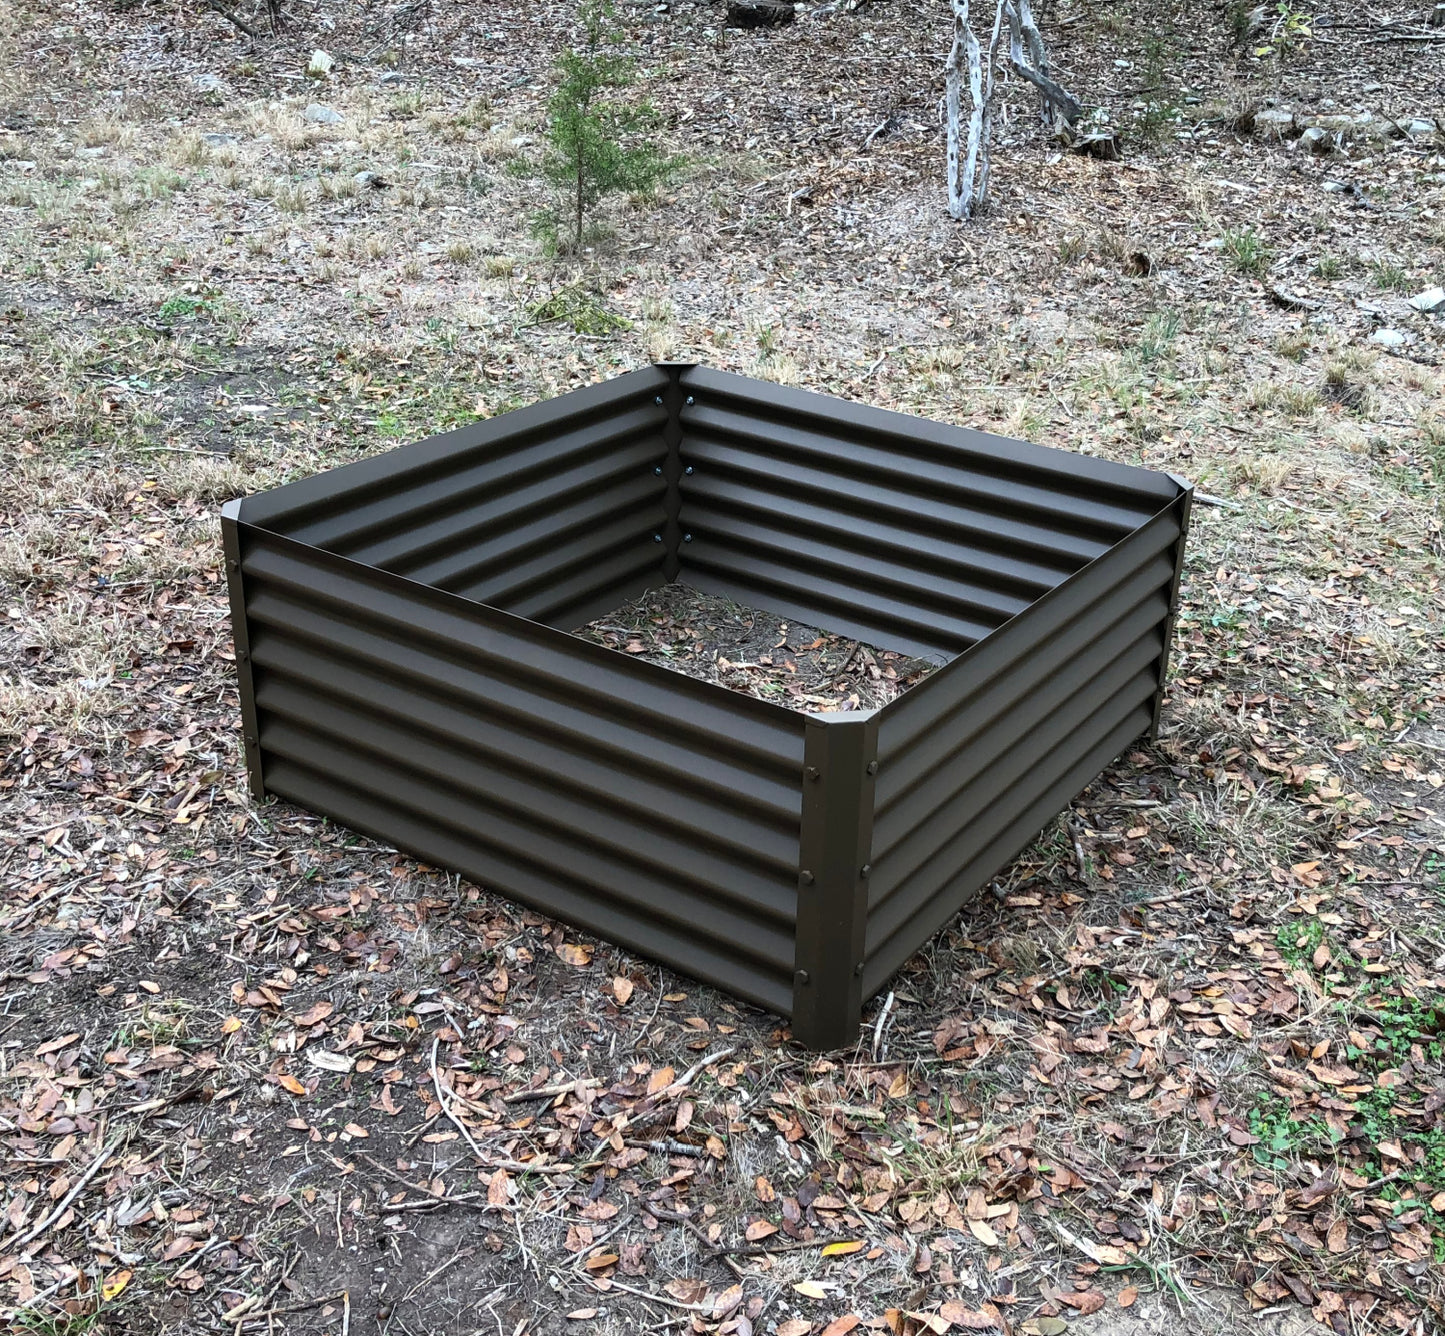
[{"x": 598, "y": 143}]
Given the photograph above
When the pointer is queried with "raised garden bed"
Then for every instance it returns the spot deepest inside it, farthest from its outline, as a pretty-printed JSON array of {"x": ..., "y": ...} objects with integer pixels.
[{"x": 403, "y": 642}]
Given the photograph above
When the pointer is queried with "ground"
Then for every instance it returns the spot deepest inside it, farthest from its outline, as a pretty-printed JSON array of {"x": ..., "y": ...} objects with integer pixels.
[{"x": 1180, "y": 1066}]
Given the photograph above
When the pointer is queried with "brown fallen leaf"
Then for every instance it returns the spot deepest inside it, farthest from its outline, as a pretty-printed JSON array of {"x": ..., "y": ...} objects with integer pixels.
[
  {"x": 966, "y": 1318},
  {"x": 759, "y": 1229},
  {"x": 582, "y": 1314},
  {"x": 288, "y": 1082},
  {"x": 576, "y": 954},
  {"x": 601, "y": 1261},
  {"x": 794, "y": 1326},
  {"x": 314, "y": 1015},
  {"x": 1127, "y": 1296},
  {"x": 660, "y": 1080},
  {"x": 622, "y": 990},
  {"x": 843, "y": 1247},
  {"x": 984, "y": 1233},
  {"x": 1338, "y": 1236},
  {"x": 1089, "y": 1301},
  {"x": 839, "y": 1325}
]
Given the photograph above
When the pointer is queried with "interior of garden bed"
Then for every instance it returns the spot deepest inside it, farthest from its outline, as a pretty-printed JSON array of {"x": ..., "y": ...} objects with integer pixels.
[{"x": 755, "y": 651}]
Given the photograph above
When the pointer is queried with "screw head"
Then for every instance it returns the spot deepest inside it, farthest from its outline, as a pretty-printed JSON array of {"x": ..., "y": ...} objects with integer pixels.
[
  {"x": 805, "y": 877},
  {"x": 865, "y": 871},
  {"x": 858, "y": 968},
  {"x": 657, "y": 472},
  {"x": 657, "y": 538},
  {"x": 657, "y": 400},
  {"x": 687, "y": 538},
  {"x": 812, "y": 771},
  {"x": 242, "y": 655},
  {"x": 233, "y": 564},
  {"x": 690, "y": 401},
  {"x": 801, "y": 978},
  {"x": 249, "y": 740},
  {"x": 688, "y": 470},
  {"x": 872, "y": 767}
]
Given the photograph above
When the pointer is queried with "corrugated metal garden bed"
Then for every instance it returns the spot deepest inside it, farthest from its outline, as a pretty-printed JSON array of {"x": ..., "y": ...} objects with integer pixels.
[{"x": 403, "y": 641}]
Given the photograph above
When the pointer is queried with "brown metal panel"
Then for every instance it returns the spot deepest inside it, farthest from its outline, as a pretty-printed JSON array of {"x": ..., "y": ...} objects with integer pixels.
[
  {"x": 1186, "y": 506},
  {"x": 404, "y": 667},
  {"x": 241, "y": 638},
  {"x": 1008, "y": 839},
  {"x": 839, "y": 763}
]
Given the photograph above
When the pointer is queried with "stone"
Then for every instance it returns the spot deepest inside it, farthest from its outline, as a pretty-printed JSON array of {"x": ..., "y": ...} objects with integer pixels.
[
  {"x": 318, "y": 114},
  {"x": 1389, "y": 338},
  {"x": 1318, "y": 140},
  {"x": 1276, "y": 121},
  {"x": 1420, "y": 128},
  {"x": 209, "y": 83},
  {"x": 320, "y": 64},
  {"x": 1432, "y": 299},
  {"x": 371, "y": 180},
  {"x": 218, "y": 140}
]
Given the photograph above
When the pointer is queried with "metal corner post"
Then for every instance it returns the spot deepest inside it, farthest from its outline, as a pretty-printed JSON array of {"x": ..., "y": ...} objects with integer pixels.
[
  {"x": 839, "y": 769},
  {"x": 672, "y": 402},
  {"x": 240, "y": 635},
  {"x": 1185, "y": 504}
]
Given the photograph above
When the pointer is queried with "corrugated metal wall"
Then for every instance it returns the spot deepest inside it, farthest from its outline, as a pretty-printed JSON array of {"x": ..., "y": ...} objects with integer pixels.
[
  {"x": 400, "y": 635},
  {"x": 975, "y": 760},
  {"x": 549, "y": 512},
  {"x": 905, "y": 533},
  {"x": 632, "y": 801}
]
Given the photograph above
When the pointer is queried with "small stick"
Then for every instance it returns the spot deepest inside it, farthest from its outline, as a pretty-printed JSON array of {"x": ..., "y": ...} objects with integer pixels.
[
  {"x": 650, "y": 1104},
  {"x": 879, "y": 1028},
  {"x": 667, "y": 1146},
  {"x": 550, "y": 1091},
  {"x": 1078, "y": 852},
  {"x": 436, "y": 1081},
  {"x": 687, "y": 1222},
  {"x": 44, "y": 1222}
]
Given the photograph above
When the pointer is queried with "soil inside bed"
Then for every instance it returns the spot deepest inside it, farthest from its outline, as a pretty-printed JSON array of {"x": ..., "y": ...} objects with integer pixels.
[{"x": 755, "y": 652}]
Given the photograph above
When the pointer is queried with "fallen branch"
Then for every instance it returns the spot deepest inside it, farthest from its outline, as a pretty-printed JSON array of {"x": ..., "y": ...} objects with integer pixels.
[
  {"x": 456, "y": 1122},
  {"x": 232, "y": 18},
  {"x": 550, "y": 1091}
]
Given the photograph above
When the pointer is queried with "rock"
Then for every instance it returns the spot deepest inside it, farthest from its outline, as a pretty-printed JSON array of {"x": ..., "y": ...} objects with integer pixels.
[
  {"x": 1276, "y": 121},
  {"x": 759, "y": 13},
  {"x": 371, "y": 180},
  {"x": 320, "y": 64},
  {"x": 321, "y": 115},
  {"x": 1389, "y": 338},
  {"x": 1420, "y": 128},
  {"x": 1318, "y": 140},
  {"x": 209, "y": 83},
  {"x": 217, "y": 140},
  {"x": 1432, "y": 299},
  {"x": 1437, "y": 17}
]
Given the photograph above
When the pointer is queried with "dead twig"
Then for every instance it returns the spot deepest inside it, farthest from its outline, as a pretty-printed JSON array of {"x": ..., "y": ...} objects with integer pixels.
[
  {"x": 677, "y": 1087},
  {"x": 45, "y": 1221}
]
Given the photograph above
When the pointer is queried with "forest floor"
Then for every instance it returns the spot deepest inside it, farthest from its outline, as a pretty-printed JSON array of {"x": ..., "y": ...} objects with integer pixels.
[{"x": 1183, "y": 1064}]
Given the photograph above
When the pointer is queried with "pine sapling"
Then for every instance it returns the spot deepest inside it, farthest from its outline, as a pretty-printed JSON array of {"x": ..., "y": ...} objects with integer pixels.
[{"x": 598, "y": 143}]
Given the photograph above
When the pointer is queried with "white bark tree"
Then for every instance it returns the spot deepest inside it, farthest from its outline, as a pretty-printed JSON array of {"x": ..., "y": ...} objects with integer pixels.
[{"x": 968, "y": 144}]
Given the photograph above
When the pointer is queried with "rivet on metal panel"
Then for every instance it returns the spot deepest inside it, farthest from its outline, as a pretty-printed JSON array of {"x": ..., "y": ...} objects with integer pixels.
[
  {"x": 805, "y": 877},
  {"x": 801, "y": 977},
  {"x": 872, "y": 767},
  {"x": 657, "y": 538},
  {"x": 657, "y": 400},
  {"x": 688, "y": 470},
  {"x": 858, "y": 968},
  {"x": 249, "y": 740},
  {"x": 690, "y": 401},
  {"x": 657, "y": 472},
  {"x": 233, "y": 564},
  {"x": 811, "y": 771},
  {"x": 687, "y": 538},
  {"x": 866, "y": 871},
  {"x": 242, "y": 655}
]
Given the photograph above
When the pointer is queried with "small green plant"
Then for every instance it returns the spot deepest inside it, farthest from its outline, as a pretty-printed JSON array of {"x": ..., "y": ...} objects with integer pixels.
[
  {"x": 1158, "y": 335},
  {"x": 1297, "y": 942},
  {"x": 1282, "y": 1134},
  {"x": 1390, "y": 277},
  {"x": 581, "y": 309},
  {"x": 182, "y": 307},
  {"x": 1246, "y": 250},
  {"x": 1159, "y": 113},
  {"x": 598, "y": 144},
  {"x": 1285, "y": 30},
  {"x": 1329, "y": 266}
]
